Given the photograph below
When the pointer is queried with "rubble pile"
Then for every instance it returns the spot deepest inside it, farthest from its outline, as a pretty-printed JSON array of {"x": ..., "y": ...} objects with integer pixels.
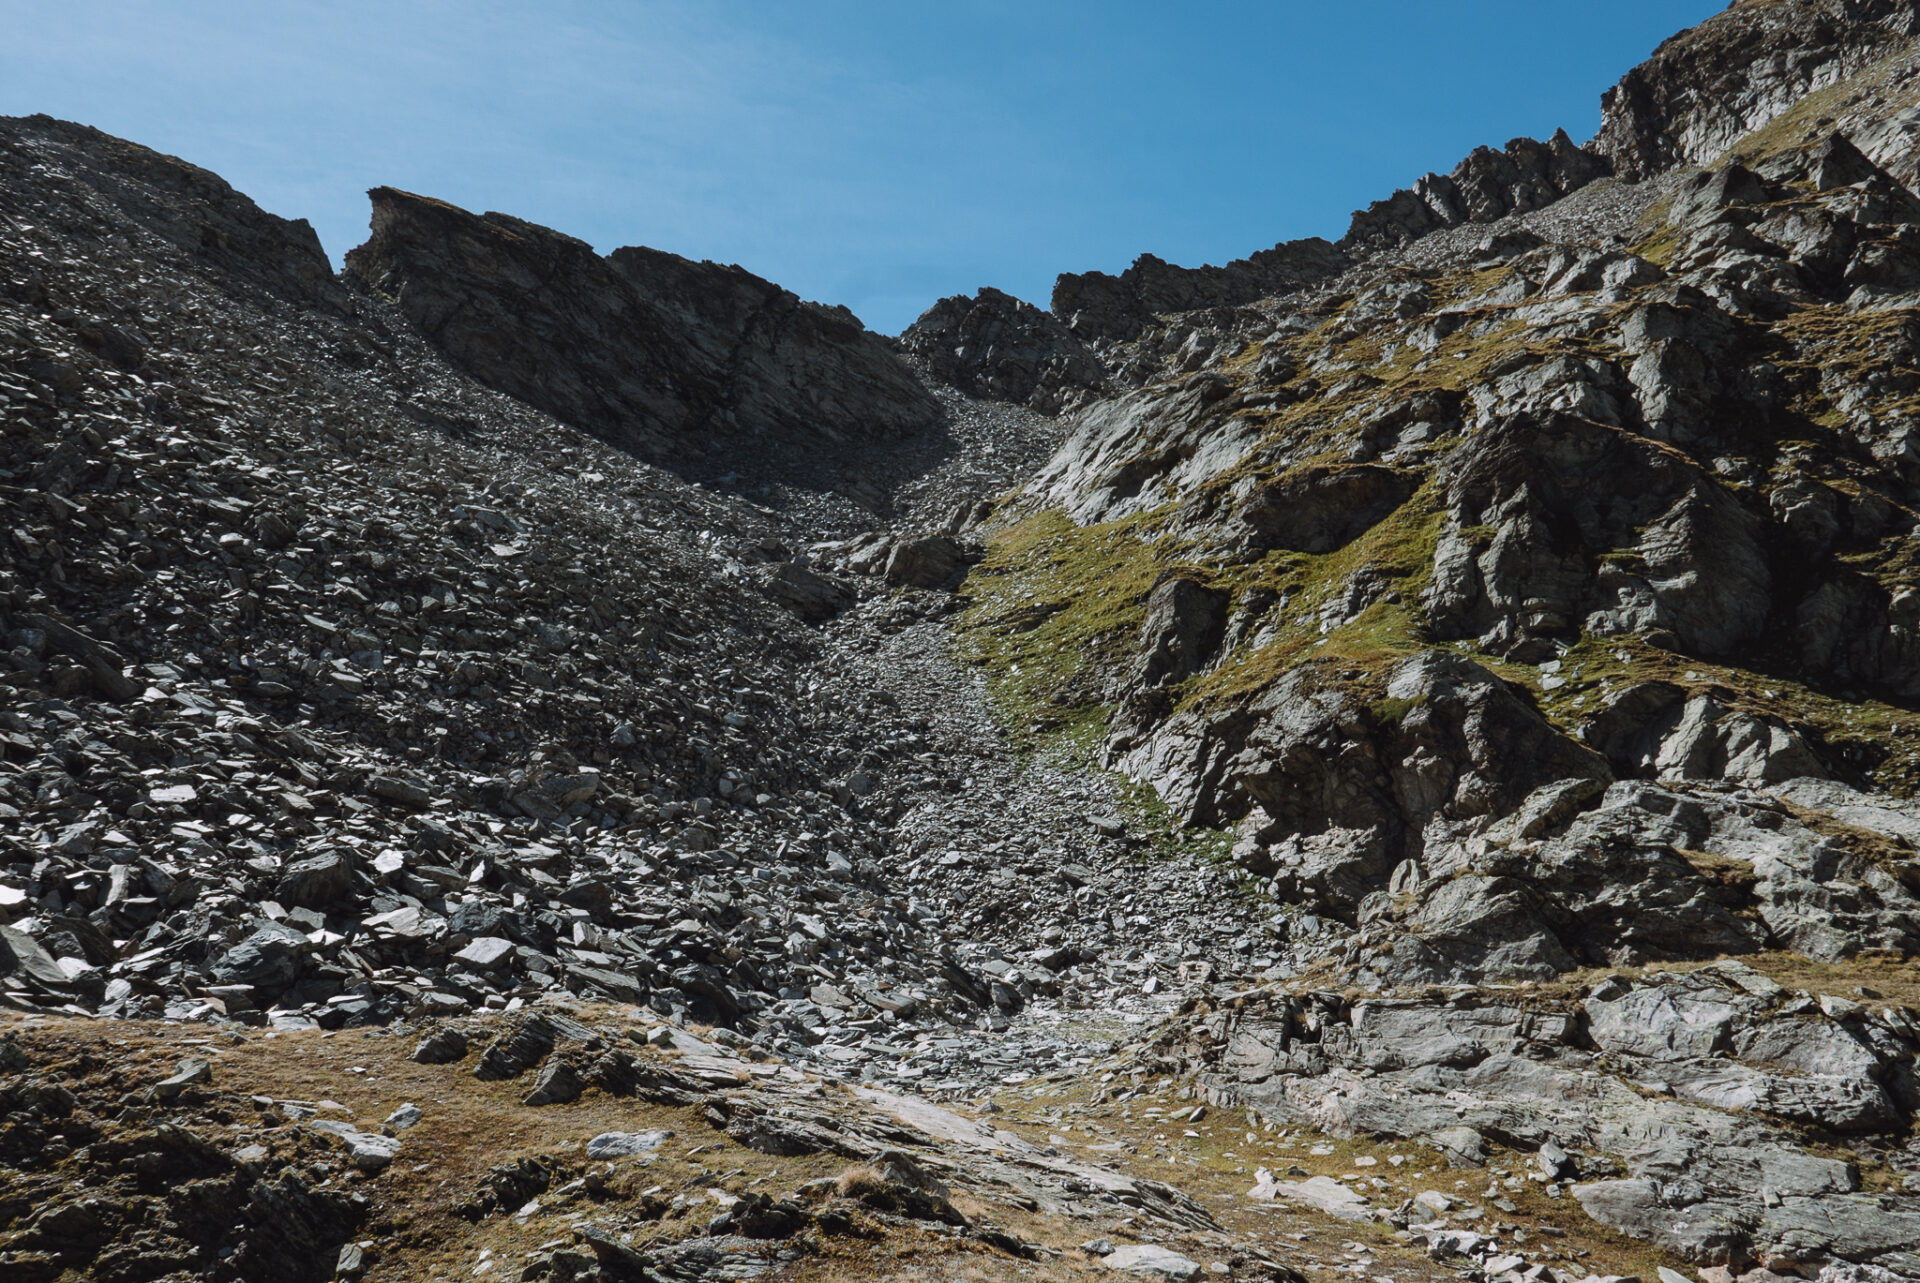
[{"x": 326, "y": 702}]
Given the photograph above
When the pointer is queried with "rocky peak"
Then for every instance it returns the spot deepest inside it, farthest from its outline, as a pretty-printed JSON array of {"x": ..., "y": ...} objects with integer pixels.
[
  {"x": 190, "y": 208},
  {"x": 996, "y": 346},
  {"x": 1486, "y": 186},
  {"x": 1100, "y": 307},
  {"x": 698, "y": 366},
  {"x": 1700, "y": 93}
]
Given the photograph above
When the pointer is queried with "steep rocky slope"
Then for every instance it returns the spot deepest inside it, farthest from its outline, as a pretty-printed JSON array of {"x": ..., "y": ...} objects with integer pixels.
[
  {"x": 1284, "y": 734},
  {"x": 346, "y": 690}
]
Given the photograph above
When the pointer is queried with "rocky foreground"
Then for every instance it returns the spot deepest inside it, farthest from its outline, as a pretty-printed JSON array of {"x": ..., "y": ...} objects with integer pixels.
[{"x": 1389, "y": 756}]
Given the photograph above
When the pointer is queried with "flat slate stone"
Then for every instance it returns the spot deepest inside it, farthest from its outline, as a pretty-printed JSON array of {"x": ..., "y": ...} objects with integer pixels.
[
  {"x": 1149, "y": 1261},
  {"x": 626, "y": 1144},
  {"x": 486, "y": 953}
]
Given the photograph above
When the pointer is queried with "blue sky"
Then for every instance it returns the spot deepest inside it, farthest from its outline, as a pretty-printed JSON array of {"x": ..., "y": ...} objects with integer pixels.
[{"x": 880, "y": 155}]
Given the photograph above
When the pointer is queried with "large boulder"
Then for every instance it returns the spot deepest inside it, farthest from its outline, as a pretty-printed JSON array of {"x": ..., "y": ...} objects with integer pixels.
[
  {"x": 1321, "y": 507},
  {"x": 801, "y": 589},
  {"x": 1182, "y": 630},
  {"x": 927, "y": 561},
  {"x": 316, "y": 881},
  {"x": 268, "y": 959}
]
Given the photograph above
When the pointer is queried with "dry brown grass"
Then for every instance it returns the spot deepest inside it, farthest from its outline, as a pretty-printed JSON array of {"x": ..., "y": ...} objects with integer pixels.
[
  {"x": 468, "y": 1127},
  {"x": 1216, "y": 1166},
  {"x": 858, "y": 1180}
]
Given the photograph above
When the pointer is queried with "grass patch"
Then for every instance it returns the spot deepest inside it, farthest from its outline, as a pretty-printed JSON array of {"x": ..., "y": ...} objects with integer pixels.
[
  {"x": 1733, "y": 874},
  {"x": 1392, "y": 711},
  {"x": 1169, "y": 835},
  {"x": 1397, "y": 552},
  {"x": 1054, "y": 610}
]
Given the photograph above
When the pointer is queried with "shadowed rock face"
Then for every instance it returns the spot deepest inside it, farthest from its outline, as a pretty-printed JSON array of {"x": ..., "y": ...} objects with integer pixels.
[
  {"x": 696, "y": 366},
  {"x": 1331, "y": 788},
  {"x": 1099, "y": 306},
  {"x": 1320, "y": 508},
  {"x": 1706, "y": 581}
]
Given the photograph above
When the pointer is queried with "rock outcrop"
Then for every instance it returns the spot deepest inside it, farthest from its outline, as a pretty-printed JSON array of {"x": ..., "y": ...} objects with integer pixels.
[
  {"x": 1332, "y": 784},
  {"x": 697, "y": 366},
  {"x": 995, "y": 346},
  {"x": 1705, "y": 89},
  {"x": 193, "y": 210},
  {"x": 1699, "y": 575},
  {"x": 1485, "y": 187},
  {"x": 1101, "y": 307},
  {"x": 1670, "y": 1108},
  {"x": 1395, "y": 451}
]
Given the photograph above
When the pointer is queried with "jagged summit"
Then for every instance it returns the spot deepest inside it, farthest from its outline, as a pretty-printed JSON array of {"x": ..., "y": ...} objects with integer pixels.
[
  {"x": 1706, "y": 89},
  {"x": 1702, "y": 91},
  {"x": 190, "y": 208}
]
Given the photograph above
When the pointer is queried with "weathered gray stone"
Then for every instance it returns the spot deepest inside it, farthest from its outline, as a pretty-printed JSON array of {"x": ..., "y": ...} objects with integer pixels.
[
  {"x": 1148, "y": 1260},
  {"x": 626, "y": 1144},
  {"x": 317, "y": 881},
  {"x": 925, "y": 562}
]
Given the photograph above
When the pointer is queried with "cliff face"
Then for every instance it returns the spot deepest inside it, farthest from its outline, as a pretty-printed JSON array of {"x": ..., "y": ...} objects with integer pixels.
[
  {"x": 694, "y": 365},
  {"x": 1488, "y": 185},
  {"x": 1000, "y": 348},
  {"x": 1098, "y": 306}
]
